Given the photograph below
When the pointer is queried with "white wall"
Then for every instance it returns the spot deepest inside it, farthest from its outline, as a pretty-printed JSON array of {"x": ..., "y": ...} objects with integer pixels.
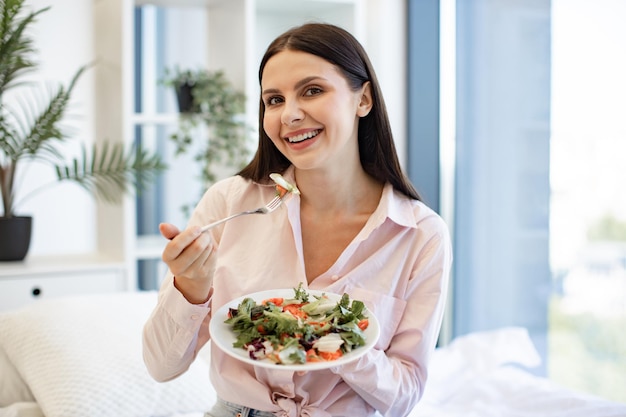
[
  {"x": 386, "y": 45},
  {"x": 64, "y": 215}
]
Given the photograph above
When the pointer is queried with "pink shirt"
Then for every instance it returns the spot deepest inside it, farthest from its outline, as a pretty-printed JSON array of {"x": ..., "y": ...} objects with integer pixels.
[{"x": 398, "y": 265}]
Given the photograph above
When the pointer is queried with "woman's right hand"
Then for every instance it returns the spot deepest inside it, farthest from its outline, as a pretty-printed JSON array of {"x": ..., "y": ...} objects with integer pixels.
[{"x": 188, "y": 256}]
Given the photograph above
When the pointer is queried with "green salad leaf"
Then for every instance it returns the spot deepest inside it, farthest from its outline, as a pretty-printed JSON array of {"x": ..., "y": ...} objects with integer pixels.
[{"x": 298, "y": 329}]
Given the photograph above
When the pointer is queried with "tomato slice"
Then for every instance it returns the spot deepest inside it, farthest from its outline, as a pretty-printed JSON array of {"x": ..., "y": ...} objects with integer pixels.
[
  {"x": 277, "y": 301},
  {"x": 363, "y": 324}
]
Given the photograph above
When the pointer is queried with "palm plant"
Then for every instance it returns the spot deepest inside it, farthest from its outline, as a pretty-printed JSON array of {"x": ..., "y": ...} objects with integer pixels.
[{"x": 32, "y": 128}]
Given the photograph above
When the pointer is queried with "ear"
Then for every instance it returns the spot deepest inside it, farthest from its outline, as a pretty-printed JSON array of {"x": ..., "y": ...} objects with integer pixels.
[{"x": 366, "y": 102}]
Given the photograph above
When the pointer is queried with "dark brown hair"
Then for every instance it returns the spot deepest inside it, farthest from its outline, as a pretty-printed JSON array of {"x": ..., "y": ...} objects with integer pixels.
[{"x": 376, "y": 146}]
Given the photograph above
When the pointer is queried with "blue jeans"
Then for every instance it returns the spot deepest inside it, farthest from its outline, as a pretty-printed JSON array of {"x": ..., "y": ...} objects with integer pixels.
[{"x": 226, "y": 409}]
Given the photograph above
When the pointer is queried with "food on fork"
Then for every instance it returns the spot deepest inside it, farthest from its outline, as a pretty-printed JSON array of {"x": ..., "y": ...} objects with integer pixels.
[{"x": 283, "y": 186}]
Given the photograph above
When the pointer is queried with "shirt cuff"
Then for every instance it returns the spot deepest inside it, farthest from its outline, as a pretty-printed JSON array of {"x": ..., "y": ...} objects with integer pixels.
[{"x": 184, "y": 314}]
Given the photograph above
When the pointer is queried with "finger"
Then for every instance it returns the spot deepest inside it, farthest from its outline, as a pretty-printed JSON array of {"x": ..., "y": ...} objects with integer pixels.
[
  {"x": 168, "y": 230},
  {"x": 202, "y": 249},
  {"x": 197, "y": 269},
  {"x": 207, "y": 255},
  {"x": 187, "y": 251},
  {"x": 180, "y": 242}
]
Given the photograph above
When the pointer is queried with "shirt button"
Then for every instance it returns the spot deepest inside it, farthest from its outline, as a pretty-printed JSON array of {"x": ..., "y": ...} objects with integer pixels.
[
  {"x": 335, "y": 277},
  {"x": 195, "y": 317}
]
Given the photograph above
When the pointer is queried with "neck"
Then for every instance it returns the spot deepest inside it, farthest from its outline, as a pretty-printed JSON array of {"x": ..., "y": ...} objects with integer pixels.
[{"x": 334, "y": 192}]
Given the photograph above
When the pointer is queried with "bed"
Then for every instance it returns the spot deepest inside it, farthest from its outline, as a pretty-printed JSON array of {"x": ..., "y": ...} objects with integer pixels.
[{"x": 81, "y": 357}]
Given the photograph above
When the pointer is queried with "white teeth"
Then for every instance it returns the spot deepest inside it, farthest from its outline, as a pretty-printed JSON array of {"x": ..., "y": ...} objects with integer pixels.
[{"x": 303, "y": 136}]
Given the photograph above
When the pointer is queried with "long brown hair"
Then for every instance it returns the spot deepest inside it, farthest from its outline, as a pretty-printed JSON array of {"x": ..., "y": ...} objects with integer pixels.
[{"x": 376, "y": 146}]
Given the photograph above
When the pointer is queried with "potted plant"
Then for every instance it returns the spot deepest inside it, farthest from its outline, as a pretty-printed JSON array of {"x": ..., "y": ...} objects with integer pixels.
[
  {"x": 31, "y": 129},
  {"x": 184, "y": 82},
  {"x": 207, "y": 98}
]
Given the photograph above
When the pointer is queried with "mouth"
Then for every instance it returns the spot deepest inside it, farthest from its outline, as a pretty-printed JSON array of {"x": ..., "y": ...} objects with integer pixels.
[{"x": 303, "y": 136}]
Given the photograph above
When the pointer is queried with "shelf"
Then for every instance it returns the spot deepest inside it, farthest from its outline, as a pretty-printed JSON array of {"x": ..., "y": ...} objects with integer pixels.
[
  {"x": 155, "y": 118},
  {"x": 178, "y": 3},
  {"x": 54, "y": 264},
  {"x": 303, "y": 7},
  {"x": 289, "y": 6},
  {"x": 138, "y": 43},
  {"x": 149, "y": 247}
]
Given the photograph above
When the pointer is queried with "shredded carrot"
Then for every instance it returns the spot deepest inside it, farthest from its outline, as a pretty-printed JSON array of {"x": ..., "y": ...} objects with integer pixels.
[
  {"x": 296, "y": 310},
  {"x": 311, "y": 356},
  {"x": 281, "y": 191},
  {"x": 330, "y": 356}
]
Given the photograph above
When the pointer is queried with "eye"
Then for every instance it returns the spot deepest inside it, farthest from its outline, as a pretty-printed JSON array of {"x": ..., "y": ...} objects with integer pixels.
[
  {"x": 273, "y": 100},
  {"x": 313, "y": 91}
]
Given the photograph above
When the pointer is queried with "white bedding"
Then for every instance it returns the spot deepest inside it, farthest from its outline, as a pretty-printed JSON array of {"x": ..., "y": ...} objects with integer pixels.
[{"x": 81, "y": 357}]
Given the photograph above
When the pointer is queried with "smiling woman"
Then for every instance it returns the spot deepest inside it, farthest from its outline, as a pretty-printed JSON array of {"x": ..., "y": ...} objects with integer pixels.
[
  {"x": 357, "y": 228},
  {"x": 317, "y": 115}
]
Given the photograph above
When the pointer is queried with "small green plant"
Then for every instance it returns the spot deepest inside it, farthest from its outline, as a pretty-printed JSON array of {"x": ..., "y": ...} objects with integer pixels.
[
  {"x": 31, "y": 126},
  {"x": 607, "y": 228},
  {"x": 216, "y": 104}
]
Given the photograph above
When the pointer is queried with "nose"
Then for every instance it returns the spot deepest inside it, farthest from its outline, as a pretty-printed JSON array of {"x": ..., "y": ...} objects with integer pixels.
[{"x": 292, "y": 113}]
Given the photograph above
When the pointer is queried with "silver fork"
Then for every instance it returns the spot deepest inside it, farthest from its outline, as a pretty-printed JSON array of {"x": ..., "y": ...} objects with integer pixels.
[{"x": 268, "y": 208}]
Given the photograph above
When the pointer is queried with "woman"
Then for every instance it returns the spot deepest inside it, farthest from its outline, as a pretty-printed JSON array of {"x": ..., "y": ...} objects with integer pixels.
[{"x": 357, "y": 227}]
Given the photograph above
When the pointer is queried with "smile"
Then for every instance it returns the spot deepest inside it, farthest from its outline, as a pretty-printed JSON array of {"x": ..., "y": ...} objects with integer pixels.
[{"x": 303, "y": 136}]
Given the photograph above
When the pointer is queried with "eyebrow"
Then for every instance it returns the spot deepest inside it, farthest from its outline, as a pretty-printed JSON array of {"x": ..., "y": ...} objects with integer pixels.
[{"x": 299, "y": 84}]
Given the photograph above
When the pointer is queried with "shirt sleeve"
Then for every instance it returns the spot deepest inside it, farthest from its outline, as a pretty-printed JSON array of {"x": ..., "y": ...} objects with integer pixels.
[
  {"x": 174, "y": 333},
  {"x": 176, "y": 330},
  {"x": 392, "y": 381}
]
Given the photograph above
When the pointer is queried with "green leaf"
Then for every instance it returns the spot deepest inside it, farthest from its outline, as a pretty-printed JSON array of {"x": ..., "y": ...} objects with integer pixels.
[
  {"x": 220, "y": 110},
  {"x": 108, "y": 173},
  {"x": 16, "y": 48},
  {"x": 31, "y": 126}
]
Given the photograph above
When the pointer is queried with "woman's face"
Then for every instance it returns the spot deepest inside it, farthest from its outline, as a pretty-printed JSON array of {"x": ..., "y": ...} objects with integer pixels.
[{"x": 311, "y": 114}]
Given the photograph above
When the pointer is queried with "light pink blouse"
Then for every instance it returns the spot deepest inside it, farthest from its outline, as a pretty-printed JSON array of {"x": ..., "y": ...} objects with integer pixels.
[{"x": 398, "y": 265}]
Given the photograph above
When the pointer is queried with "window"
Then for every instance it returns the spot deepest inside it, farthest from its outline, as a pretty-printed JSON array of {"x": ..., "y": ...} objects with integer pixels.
[
  {"x": 587, "y": 342},
  {"x": 530, "y": 111},
  {"x": 159, "y": 44}
]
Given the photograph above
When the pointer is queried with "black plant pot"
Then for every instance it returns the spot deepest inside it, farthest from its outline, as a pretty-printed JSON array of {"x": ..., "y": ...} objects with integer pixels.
[
  {"x": 184, "y": 95},
  {"x": 14, "y": 237}
]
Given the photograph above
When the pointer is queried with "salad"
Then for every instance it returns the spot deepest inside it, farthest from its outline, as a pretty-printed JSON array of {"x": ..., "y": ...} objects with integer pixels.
[
  {"x": 298, "y": 330},
  {"x": 283, "y": 186}
]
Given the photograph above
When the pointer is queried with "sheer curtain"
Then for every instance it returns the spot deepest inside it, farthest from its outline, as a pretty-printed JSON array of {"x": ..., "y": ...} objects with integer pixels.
[
  {"x": 488, "y": 172},
  {"x": 502, "y": 190}
]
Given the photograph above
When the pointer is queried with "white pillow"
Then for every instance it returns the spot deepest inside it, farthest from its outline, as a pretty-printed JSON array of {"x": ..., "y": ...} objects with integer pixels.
[
  {"x": 22, "y": 409},
  {"x": 474, "y": 355},
  {"x": 13, "y": 389},
  {"x": 82, "y": 356}
]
